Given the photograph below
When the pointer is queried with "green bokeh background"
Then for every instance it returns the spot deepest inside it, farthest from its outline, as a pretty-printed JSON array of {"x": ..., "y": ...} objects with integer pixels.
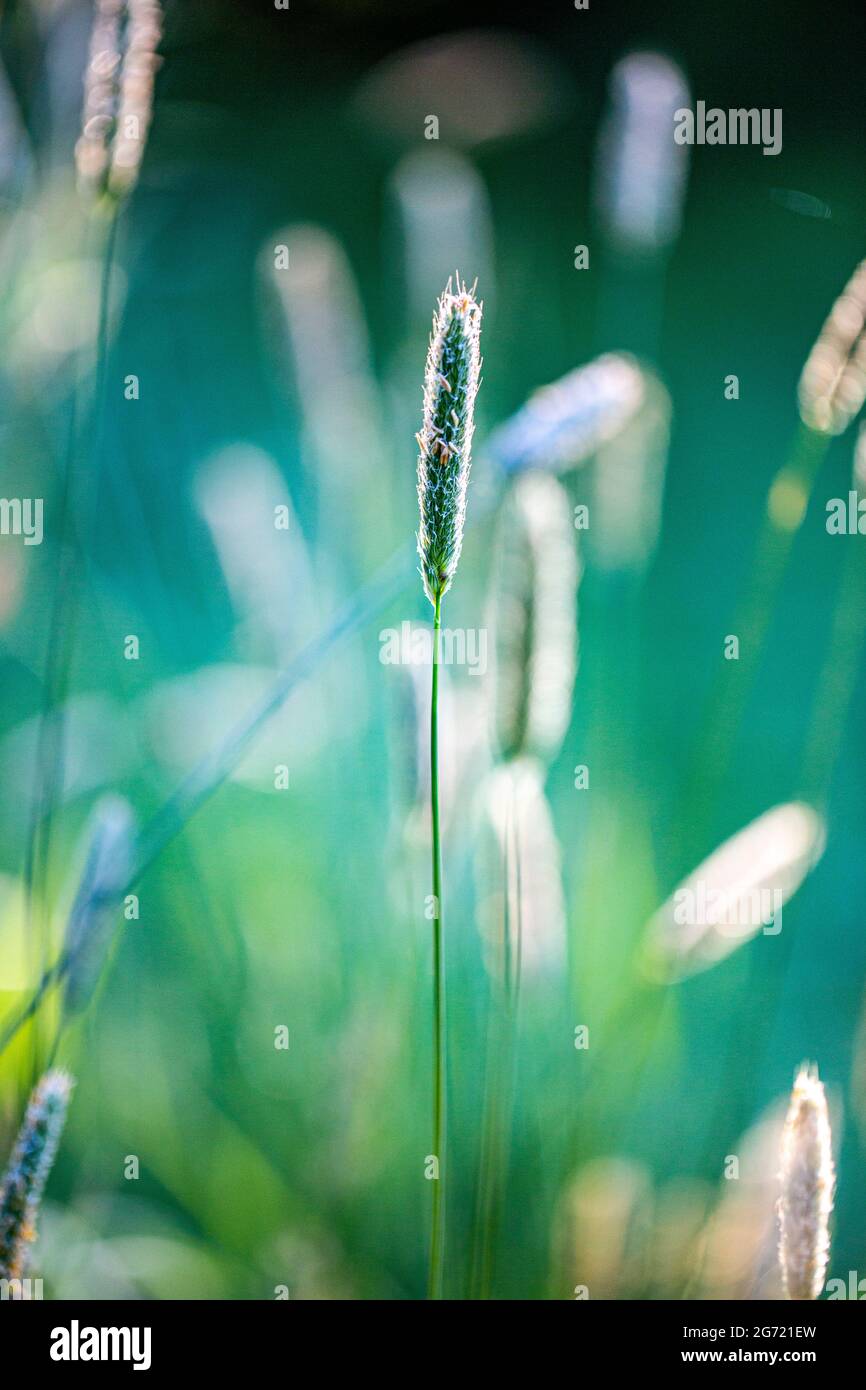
[{"x": 260, "y": 1167}]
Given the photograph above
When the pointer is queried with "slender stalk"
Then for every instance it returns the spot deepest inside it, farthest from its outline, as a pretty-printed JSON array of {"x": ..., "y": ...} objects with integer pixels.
[
  {"x": 437, "y": 1241},
  {"x": 502, "y": 1048},
  {"x": 479, "y": 1274}
]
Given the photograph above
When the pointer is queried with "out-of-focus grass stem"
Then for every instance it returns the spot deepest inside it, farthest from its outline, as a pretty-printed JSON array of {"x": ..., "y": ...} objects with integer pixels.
[
  {"x": 499, "y": 1076},
  {"x": 786, "y": 507},
  {"x": 74, "y": 516},
  {"x": 837, "y": 680}
]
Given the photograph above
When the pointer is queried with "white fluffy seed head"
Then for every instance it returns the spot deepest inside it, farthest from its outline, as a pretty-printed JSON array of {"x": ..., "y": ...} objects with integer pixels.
[{"x": 807, "y": 1184}]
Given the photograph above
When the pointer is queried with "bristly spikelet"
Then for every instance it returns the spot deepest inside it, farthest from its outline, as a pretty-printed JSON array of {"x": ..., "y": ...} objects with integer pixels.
[
  {"x": 807, "y": 1182},
  {"x": 445, "y": 441},
  {"x": 29, "y": 1167}
]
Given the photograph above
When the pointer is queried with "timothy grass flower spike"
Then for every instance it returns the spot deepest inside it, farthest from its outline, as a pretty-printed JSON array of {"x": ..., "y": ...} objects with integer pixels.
[
  {"x": 807, "y": 1182},
  {"x": 451, "y": 383},
  {"x": 29, "y": 1168}
]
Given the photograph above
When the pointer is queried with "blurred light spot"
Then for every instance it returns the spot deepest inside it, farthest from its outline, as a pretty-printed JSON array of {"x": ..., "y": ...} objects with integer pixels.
[
  {"x": 481, "y": 85},
  {"x": 237, "y": 492},
  {"x": 787, "y": 502},
  {"x": 97, "y": 749},
  {"x": 640, "y": 171},
  {"x": 445, "y": 223},
  {"x": 55, "y": 311},
  {"x": 18, "y": 964}
]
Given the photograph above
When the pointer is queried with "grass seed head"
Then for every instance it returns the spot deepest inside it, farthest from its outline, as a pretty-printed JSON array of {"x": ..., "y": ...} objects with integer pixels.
[
  {"x": 445, "y": 440},
  {"x": 29, "y": 1166},
  {"x": 640, "y": 174},
  {"x": 118, "y": 95},
  {"x": 533, "y": 610},
  {"x": 833, "y": 382},
  {"x": 737, "y": 892},
  {"x": 562, "y": 425},
  {"x": 807, "y": 1184}
]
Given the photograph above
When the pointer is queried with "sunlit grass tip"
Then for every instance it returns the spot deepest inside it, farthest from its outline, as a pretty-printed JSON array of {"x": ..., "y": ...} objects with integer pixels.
[
  {"x": 807, "y": 1184},
  {"x": 451, "y": 383},
  {"x": 833, "y": 382},
  {"x": 29, "y": 1167},
  {"x": 737, "y": 892}
]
